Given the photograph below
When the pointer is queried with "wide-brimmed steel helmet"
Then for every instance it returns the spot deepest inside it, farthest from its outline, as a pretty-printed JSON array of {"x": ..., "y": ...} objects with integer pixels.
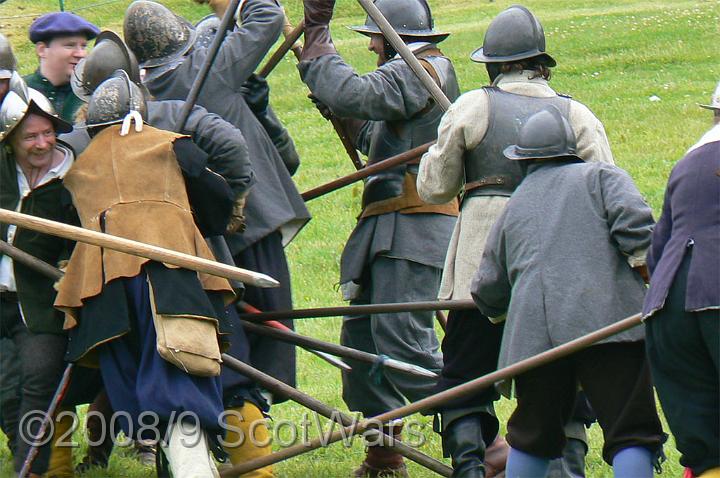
[
  {"x": 409, "y": 18},
  {"x": 115, "y": 100},
  {"x": 205, "y": 30},
  {"x": 155, "y": 34},
  {"x": 19, "y": 103},
  {"x": 515, "y": 34},
  {"x": 714, "y": 100},
  {"x": 109, "y": 54},
  {"x": 545, "y": 135},
  {"x": 8, "y": 63}
]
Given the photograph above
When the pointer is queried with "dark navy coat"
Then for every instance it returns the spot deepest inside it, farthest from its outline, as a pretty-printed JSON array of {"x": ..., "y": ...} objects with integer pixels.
[{"x": 690, "y": 218}]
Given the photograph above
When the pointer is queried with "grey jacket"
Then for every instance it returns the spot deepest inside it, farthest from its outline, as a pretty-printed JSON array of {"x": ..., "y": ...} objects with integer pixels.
[
  {"x": 557, "y": 259},
  {"x": 392, "y": 93},
  {"x": 274, "y": 202},
  {"x": 223, "y": 143}
]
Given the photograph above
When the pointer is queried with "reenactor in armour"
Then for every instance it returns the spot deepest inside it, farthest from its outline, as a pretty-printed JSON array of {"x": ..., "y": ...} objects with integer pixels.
[
  {"x": 227, "y": 155},
  {"x": 60, "y": 40},
  {"x": 396, "y": 251},
  {"x": 567, "y": 258},
  {"x": 468, "y": 158},
  {"x": 165, "y": 47},
  {"x": 156, "y": 332},
  {"x": 33, "y": 165}
]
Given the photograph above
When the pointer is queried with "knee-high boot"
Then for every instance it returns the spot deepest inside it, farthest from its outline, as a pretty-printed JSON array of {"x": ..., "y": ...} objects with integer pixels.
[
  {"x": 248, "y": 438},
  {"x": 463, "y": 440}
]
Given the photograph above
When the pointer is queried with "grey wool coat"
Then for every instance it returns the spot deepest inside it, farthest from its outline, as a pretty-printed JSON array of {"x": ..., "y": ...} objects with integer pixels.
[
  {"x": 558, "y": 260},
  {"x": 274, "y": 203}
]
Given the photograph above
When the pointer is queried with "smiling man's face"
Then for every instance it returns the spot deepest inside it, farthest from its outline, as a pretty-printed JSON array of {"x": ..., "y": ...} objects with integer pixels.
[{"x": 59, "y": 56}]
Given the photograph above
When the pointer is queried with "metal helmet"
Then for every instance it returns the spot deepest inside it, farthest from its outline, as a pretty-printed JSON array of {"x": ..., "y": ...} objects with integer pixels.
[
  {"x": 155, "y": 34},
  {"x": 205, "y": 31},
  {"x": 18, "y": 104},
  {"x": 545, "y": 135},
  {"x": 515, "y": 34},
  {"x": 409, "y": 18},
  {"x": 714, "y": 100},
  {"x": 116, "y": 99},
  {"x": 109, "y": 54},
  {"x": 8, "y": 63}
]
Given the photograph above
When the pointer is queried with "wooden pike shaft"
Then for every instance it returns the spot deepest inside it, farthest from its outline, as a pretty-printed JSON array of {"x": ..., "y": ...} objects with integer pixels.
[
  {"x": 391, "y": 162},
  {"x": 136, "y": 248},
  {"x": 360, "y": 310},
  {"x": 334, "y": 414},
  {"x": 434, "y": 401},
  {"x": 290, "y": 43},
  {"x": 399, "y": 45}
]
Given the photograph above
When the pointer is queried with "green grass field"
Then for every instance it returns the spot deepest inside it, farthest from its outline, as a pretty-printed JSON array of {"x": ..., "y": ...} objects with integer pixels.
[{"x": 612, "y": 55}]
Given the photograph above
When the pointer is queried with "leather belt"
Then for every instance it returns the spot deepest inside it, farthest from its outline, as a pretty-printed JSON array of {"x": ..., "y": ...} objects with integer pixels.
[{"x": 488, "y": 181}]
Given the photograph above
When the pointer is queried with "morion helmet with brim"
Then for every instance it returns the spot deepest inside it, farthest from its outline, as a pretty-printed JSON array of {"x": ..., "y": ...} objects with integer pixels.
[
  {"x": 545, "y": 135},
  {"x": 155, "y": 34},
  {"x": 409, "y": 18},
  {"x": 21, "y": 102},
  {"x": 714, "y": 100},
  {"x": 514, "y": 35},
  {"x": 110, "y": 53},
  {"x": 8, "y": 62},
  {"x": 117, "y": 100}
]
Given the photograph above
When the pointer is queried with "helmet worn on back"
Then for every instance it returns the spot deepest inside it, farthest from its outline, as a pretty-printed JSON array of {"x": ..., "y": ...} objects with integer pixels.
[
  {"x": 109, "y": 54},
  {"x": 155, "y": 34},
  {"x": 515, "y": 34},
  {"x": 117, "y": 100},
  {"x": 545, "y": 135},
  {"x": 409, "y": 18}
]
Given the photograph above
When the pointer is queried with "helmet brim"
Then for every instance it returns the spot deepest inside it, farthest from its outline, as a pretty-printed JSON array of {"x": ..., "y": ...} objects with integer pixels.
[
  {"x": 478, "y": 56},
  {"x": 77, "y": 80},
  {"x": 710, "y": 107},
  {"x": 427, "y": 35},
  {"x": 5, "y": 74},
  {"x": 61, "y": 126},
  {"x": 514, "y": 153}
]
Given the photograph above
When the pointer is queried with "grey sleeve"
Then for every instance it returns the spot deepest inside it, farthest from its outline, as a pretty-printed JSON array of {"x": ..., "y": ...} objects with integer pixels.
[
  {"x": 490, "y": 287},
  {"x": 246, "y": 46},
  {"x": 225, "y": 145},
  {"x": 628, "y": 215},
  {"x": 392, "y": 92}
]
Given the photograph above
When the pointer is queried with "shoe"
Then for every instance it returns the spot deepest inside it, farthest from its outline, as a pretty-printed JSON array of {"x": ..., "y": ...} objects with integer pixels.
[{"x": 382, "y": 462}]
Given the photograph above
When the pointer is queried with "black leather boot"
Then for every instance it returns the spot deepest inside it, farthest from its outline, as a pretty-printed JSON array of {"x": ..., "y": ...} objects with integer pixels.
[{"x": 463, "y": 440}]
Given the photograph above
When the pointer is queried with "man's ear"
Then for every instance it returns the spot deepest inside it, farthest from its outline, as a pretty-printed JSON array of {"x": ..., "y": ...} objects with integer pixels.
[{"x": 41, "y": 49}]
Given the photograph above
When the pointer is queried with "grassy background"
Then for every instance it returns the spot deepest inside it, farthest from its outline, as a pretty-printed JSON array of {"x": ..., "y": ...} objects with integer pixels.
[{"x": 613, "y": 56}]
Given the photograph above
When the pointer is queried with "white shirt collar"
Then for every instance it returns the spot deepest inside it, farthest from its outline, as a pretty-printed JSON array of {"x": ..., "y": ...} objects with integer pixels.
[
  {"x": 414, "y": 46},
  {"x": 709, "y": 137},
  {"x": 525, "y": 76}
]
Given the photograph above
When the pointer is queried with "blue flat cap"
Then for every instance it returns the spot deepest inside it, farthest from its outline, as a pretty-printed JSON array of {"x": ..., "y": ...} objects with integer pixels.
[{"x": 58, "y": 24}]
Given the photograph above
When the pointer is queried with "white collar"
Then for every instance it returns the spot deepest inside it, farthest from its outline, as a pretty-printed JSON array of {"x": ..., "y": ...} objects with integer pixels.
[
  {"x": 525, "y": 76},
  {"x": 414, "y": 46},
  {"x": 709, "y": 137}
]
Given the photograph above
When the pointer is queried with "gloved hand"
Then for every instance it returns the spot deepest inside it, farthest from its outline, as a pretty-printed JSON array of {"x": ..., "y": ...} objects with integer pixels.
[
  {"x": 237, "y": 217},
  {"x": 256, "y": 93},
  {"x": 318, "y": 42},
  {"x": 322, "y": 107}
]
